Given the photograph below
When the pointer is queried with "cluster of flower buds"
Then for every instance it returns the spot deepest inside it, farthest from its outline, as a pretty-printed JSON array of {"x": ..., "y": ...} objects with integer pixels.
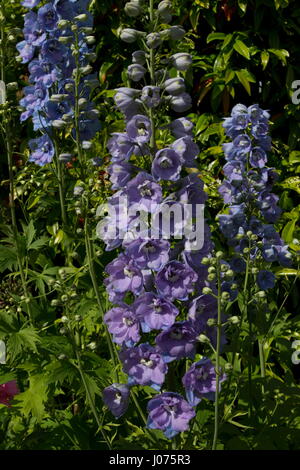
[
  {"x": 247, "y": 190},
  {"x": 57, "y": 39},
  {"x": 158, "y": 276}
]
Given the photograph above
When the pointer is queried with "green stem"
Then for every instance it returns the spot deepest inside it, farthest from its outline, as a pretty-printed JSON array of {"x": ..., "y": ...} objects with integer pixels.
[
  {"x": 60, "y": 179},
  {"x": 89, "y": 395},
  {"x": 262, "y": 361},
  {"x": 218, "y": 351},
  {"x": 152, "y": 77}
]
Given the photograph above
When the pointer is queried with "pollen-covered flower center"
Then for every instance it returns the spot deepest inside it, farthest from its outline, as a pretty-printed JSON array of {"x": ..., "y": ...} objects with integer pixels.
[
  {"x": 144, "y": 190},
  {"x": 165, "y": 163},
  {"x": 147, "y": 362},
  {"x": 128, "y": 321}
]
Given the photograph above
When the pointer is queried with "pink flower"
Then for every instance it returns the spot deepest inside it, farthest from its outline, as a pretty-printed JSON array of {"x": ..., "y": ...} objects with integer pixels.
[{"x": 8, "y": 391}]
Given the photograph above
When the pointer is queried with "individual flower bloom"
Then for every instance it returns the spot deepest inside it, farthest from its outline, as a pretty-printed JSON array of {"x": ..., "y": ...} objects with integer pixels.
[
  {"x": 30, "y": 3},
  {"x": 200, "y": 381},
  {"x": 26, "y": 51},
  {"x": 120, "y": 146},
  {"x": 181, "y": 127},
  {"x": 257, "y": 114},
  {"x": 170, "y": 413},
  {"x": 191, "y": 190},
  {"x": 139, "y": 57},
  {"x": 230, "y": 223},
  {"x": 268, "y": 206},
  {"x": 178, "y": 341},
  {"x": 234, "y": 172},
  {"x": 260, "y": 130},
  {"x": 201, "y": 306},
  {"x": 144, "y": 192},
  {"x": 154, "y": 312},
  {"x": 258, "y": 157},
  {"x": 181, "y": 61},
  {"x": 42, "y": 150},
  {"x": 175, "y": 280},
  {"x": 175, "y": 86},
  {"x": 238, "y": 264},
  {"x": 120, "y": 174},
  {"x": 116, "y": 398},
  {"x": 151, "y": 96},
  {"x": 242, "y": 144},
  {"x": 123, "y": 324},
  {"x": 187, "y": 149},
  {"x": 265, "y": 280},
  {"x": 124, "y": 276},
  {"x": 176, "y": 32},
  {"x": 8, "y": 391},
  {"x": 144, "y": 365},
  {"x": 35, "y": 98},
  {"x": 53, "y": 51},
  {"x": 226, "y": 190},
  {"x": 136, "y": 72},
  {"x": 149, "y": 253},
  {"x": 181, "y": 103},
  {"x": 47, "y": 17},
  {"x": 139, "y": 129},
  {"x": 153, "y": 40},
  {"x": 166, "y": 165},
  {"x": 43, "y": 72}
]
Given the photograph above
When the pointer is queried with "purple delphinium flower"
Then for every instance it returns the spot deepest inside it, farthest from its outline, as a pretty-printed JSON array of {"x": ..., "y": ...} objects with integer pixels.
[
  {"x": 144, "y": 365},
  {"x": 42, "y": 150},
  {"x": 148, "y": 253},
  {"x": 120, "y": 173},
  {"x": 116, "y": 398},
  {"x": 123, "y": 324},
  {"x": 151, "y": 96},
  {"x": 175, "y": 280},
  {"x": 154, "y": 312},
  {"x": 170, "y": 413},
  {"x": 167, "y": 165},
  {"x": 181, "y": 127},
  {"x": 200, "y": 381},
  {"x": 124, "y": 276},
  {"x": 139, "y": 129},
  {"x": 178, "y": 341},
  {"x": 47, "y": 17},
  {"x": 144, "y": 192},
  {"x": 187, "y": 149},
  {"x": 265, "y": 280}
]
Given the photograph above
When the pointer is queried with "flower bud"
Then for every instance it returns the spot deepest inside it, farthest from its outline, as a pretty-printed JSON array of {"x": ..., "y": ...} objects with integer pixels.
[
  {"x": 13, "y": 86},
  {"x": 203, "y": 339},
  {"x": 82, "y": 103},
  {"x": 64, "y": 319},
  {"x": 78, "y": 317},
  {"x": 58, "y": 123},
  {"x": 181, "y": 61},
  {"x": 90, "y": 40},
  {"x": 54, "y": 303},
  {"x": 82, "y": 17},
  {"x": 220, "y": 255},
  {"x": 261, "y": 294},
  {"x": 136, "y": 72},
  {"x": 92, "y": 346},
  {"x": 66, "y": 39},
  {"x": 234, "y": 320},
  {"x": 205, "y": 260},
  {"x": 211, "y": 277},
  {"x": 223, "y": 267},
  {"x": 129, "y": 35},
  {"x": 86, "y": 145},
  {"x": 229, "y": 274},
  {"x": 64, "y": 298},
  {"x": 86, "y": 70},
  {"x": 174, "y": 86},
  {"x": 207, "y": 290},
  {"x": 153, "y": 40},
  {"x": 176, "y": 32},
  {"x": 139, "y": 57},
  {"x": 164, "y": 6},
  {"x": 133, "y": 9},
  {"x": 181, "y": 103},
  {"x": 63, "y": 24},
  {"x": 211, "y": 322}
]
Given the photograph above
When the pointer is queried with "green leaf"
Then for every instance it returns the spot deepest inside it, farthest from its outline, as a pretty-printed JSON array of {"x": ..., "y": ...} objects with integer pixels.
[
  {"x": 282, "y": 54},
  {"x": 292, "y": 183},
  {"x": 194, "y": 17},
  {"x": 8, "y": 258},
  {"x": 242, "y": 5},
  {"x": 37, "y": 244},
  {"x": 242, "y": 49},
  {"x": 26, "y": 338},
  {"x": 244, "y": 80},
  {"x": 288, "y": 231},
  {"x": 29, "y": 232},
  {"x": 32, "y": 401},
  {"x": 264, "y": 58},
  {"x": 215, "y": 36}
]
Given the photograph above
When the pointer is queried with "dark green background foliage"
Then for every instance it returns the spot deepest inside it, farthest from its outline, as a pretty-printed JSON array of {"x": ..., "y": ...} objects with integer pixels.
[{"x": 243, "y": 51}]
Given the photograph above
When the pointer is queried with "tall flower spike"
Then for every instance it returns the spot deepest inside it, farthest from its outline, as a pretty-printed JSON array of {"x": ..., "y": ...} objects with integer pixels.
[{"x": 158, "y": 267}]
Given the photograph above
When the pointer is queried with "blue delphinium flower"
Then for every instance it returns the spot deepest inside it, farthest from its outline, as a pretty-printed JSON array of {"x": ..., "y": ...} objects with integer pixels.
[
  {"x": 47, "y": 46},
  {"x": 116, "y": 397},
  {"x": 170, "y": 413}
]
